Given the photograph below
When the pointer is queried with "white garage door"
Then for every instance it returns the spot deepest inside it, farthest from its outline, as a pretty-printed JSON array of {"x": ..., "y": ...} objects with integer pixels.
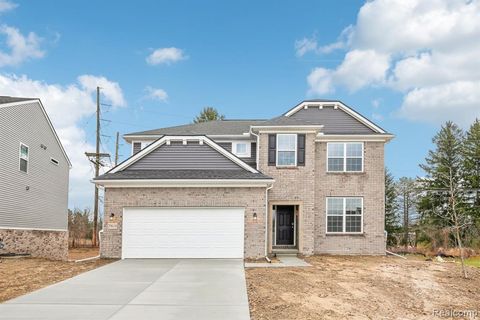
[{"x": 183, "y": 233}]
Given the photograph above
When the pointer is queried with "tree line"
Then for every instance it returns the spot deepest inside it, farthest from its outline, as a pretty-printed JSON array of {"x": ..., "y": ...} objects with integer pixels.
[{"x": 441, "y": 208}]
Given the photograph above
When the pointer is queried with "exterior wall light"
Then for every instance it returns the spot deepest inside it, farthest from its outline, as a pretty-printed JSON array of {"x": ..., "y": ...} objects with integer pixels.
[
  {"x": 112, "y": 215},
  {"x": 255, "y": 216}
]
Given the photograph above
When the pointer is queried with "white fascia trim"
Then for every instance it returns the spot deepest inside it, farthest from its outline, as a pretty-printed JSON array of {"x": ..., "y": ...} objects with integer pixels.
[
  {"x": 163, "y": 140},
  {"x": 198, "y": 183},
  {"x": 339, "y": 104},
  {"x": 13, "y": 104},
  {"x": 33, "y": 229},
  {"x": 354, "y": 137},
  {"x": 152, "y": 137}
]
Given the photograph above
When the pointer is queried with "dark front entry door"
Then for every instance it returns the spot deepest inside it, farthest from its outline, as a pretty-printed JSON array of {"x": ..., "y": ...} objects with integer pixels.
[{"x": 285, "y": 225}]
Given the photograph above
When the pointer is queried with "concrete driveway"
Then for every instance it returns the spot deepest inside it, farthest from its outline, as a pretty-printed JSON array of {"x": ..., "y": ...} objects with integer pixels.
[{"x": 142, "y": 289}]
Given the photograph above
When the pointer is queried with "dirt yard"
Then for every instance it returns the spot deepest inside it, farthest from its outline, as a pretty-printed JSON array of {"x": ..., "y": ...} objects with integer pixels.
[
  {"x": 82, "y": 253},
  {"x": 19, "y": 276},
  {"x": 361, "y": 288}
]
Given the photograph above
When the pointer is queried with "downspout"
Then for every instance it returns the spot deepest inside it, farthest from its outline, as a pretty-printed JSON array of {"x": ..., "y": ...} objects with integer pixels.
[
  {"x": 257, "y": 146},
  {"x": 266, "y": 222}
]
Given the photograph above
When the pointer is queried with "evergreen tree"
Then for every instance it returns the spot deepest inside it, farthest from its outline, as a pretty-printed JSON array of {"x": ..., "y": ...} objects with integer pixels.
[
  {"x": 391, "y": 208},
  {"x": 208, "y": 114},
  {"x": 471, "y": 166},
  {"x": 444, "y": 185}
]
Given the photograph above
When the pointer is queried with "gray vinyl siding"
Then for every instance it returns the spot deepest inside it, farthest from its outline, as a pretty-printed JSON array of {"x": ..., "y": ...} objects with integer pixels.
[
  {"x": 184, "y": 157},
  {"x": 335, "y": 121},
  {"x": 252, "y": 160},
  {"x": 44, "y": 205}
]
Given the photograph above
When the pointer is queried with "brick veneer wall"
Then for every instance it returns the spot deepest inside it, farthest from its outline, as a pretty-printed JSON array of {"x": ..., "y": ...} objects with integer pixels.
[
  {"x": 370, "y": 185},
  {"x": 38, "y": 243},
  {"x": 311, "y": 184},
  {"x": 252, "y": 199},
  {"x": 295, "y": 184}
]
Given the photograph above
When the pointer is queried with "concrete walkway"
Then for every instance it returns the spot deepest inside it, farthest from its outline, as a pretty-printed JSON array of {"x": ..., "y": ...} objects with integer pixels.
[
  {"x": 142, "y": 289},
  {"x": 285, "y": 261}
]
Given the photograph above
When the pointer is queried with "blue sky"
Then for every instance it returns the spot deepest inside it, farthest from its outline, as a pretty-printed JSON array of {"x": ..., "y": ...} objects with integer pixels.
[{"x": 390, "y": 60}]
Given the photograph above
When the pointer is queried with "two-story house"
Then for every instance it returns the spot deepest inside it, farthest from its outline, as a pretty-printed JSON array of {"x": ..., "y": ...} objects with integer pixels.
[
  {"x": 309, "y": 181},
  {"x": 34, "y": 171}
]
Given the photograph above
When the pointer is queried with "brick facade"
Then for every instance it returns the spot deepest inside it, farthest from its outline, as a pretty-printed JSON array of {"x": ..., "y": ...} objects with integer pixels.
[
  {"x": 38, "y": 243},
  {"x": 309, "y": 186},
  {"x": 252, "y": 199},
  {"x": 369, "y": 184}
]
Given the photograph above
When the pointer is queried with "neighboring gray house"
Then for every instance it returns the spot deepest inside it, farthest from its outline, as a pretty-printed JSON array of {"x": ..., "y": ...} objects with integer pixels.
[
  {"x": 34, "y": 170},
  {"x": 310, "y": 181}
]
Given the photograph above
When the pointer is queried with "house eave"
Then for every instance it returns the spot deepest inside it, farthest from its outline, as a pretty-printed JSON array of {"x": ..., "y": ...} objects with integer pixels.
[
  {"x": 354, "y": 137},
  {"x": 182, "y": 183}
]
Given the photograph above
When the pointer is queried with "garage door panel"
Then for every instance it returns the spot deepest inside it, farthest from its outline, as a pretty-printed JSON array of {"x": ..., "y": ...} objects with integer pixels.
[{"x": 183, "y": 233}]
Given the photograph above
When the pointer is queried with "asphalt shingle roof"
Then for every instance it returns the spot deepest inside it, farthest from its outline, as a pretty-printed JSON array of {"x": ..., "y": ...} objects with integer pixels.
[
  {"x": 7, "y": 99},
  {"x": 219, "y": 127},
  {"x": 182, "y": 175}
]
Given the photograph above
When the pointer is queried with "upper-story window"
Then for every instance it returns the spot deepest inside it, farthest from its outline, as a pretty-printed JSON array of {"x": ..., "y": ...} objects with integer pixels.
[
  {"x": 345, "y": 157},
  {"x": 24, "y": 157},
  {"x": 286, "y": 149},
  {"x": 242, "y": 149}
]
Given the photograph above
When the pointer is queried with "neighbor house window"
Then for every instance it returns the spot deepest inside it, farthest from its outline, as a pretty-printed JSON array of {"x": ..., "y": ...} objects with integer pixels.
[
  {"x": 241, "y": 149},
  {"x": 23, "y": 157},
  {"x": 286, "y": 149},
  {"x": 344, "y": 215},
  {"x": 345, "y": 157}
]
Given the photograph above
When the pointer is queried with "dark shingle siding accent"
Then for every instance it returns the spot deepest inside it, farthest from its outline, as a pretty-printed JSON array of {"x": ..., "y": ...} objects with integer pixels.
[
  {"x": 183, "y": 157},
  {"x": 182, "y": 174},
  {"x": 335, "y": 121}
]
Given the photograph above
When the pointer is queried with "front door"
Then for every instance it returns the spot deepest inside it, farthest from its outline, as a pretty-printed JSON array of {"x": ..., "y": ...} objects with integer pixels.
[{"x": 285, "y": 225}]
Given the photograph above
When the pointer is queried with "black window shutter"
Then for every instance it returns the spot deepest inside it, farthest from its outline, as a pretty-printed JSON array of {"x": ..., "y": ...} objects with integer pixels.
[
  {"x": 301, "y": 149},
  {"x": 272, "y": 149}
]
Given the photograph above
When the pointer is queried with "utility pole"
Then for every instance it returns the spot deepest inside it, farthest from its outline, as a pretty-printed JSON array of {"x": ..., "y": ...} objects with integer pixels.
[
  {"x": 97, "y": 170},
  {"x": 116, "y": 149},
  {"x": 95, "y": 158}
]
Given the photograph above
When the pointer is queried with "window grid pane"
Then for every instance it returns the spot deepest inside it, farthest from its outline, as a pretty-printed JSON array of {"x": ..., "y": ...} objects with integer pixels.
[
  {"x": 286, "y": 158},
  {"x": 334, "y": 223},
  {"x": 335, "y": 206},
  {"x": 353, "y": 224},
  {"x": 287, "y": 142},
  {"x": 354, "y": 164},
  {"x": 335, "y": 164},
  {"x": 354, "y": 150},
  {"x": 241, "y": 148},
  {"x": 335, "y": 150}
]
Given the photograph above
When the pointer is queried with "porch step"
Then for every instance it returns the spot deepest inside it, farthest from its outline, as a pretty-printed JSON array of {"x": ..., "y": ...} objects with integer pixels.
[{"x": 285, "y": 252}]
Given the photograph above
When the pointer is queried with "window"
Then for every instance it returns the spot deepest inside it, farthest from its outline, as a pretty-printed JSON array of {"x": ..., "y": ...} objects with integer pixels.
[
  {"x": 345, "y": 157},
  {"x": 23, "y": 157},
  {"x": 286, "y": 149},
  {"x": 241, "y": 149},
  {"x": 344, "y": 215},
  {"x": 54, "y": 161}
]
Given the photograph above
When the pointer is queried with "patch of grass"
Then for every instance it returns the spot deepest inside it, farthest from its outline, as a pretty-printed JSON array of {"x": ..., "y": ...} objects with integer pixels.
[{"x": 473, "y": 262}]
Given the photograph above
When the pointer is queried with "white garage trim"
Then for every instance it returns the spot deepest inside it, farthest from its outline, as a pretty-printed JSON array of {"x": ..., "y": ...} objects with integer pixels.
[{"x": 183, "y": 232}]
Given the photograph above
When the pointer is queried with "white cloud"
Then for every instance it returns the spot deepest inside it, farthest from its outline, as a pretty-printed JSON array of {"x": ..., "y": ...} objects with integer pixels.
[
  {"x": 415, "y": 47},
  {"x": 67, "y": 106},
  {"x": 376, "y": 103},
  {"x": 456, "y": 101},
  {"x": 358, "y": 69},
  {"x": 166, "y": 56},
  {"x": 156, "y": 94},
  {"x": 21, "y": 47},
  {"x": 6, "y": 5}
]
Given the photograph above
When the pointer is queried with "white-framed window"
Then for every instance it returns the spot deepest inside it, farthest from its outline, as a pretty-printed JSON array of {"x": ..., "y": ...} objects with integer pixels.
[
  {"x": 345, "y": 156},
  {"x": 23, "y": 155},
  {"x": 286, "y": 150},
  {"x": 344, "y": 214},
  {"x": 242, "y": 149},
  {"x": 141, "y": 144}
]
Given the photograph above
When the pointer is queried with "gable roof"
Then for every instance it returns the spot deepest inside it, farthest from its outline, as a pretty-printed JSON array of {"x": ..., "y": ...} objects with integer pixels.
[
  {"x": 331, "y": 117},
  {"x": 6, "y": 101},
  {"x": 167, "y": 151}
]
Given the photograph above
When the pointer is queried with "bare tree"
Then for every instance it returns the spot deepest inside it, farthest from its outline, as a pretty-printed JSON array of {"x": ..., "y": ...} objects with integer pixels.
[{"x": 407, "y": 194}]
